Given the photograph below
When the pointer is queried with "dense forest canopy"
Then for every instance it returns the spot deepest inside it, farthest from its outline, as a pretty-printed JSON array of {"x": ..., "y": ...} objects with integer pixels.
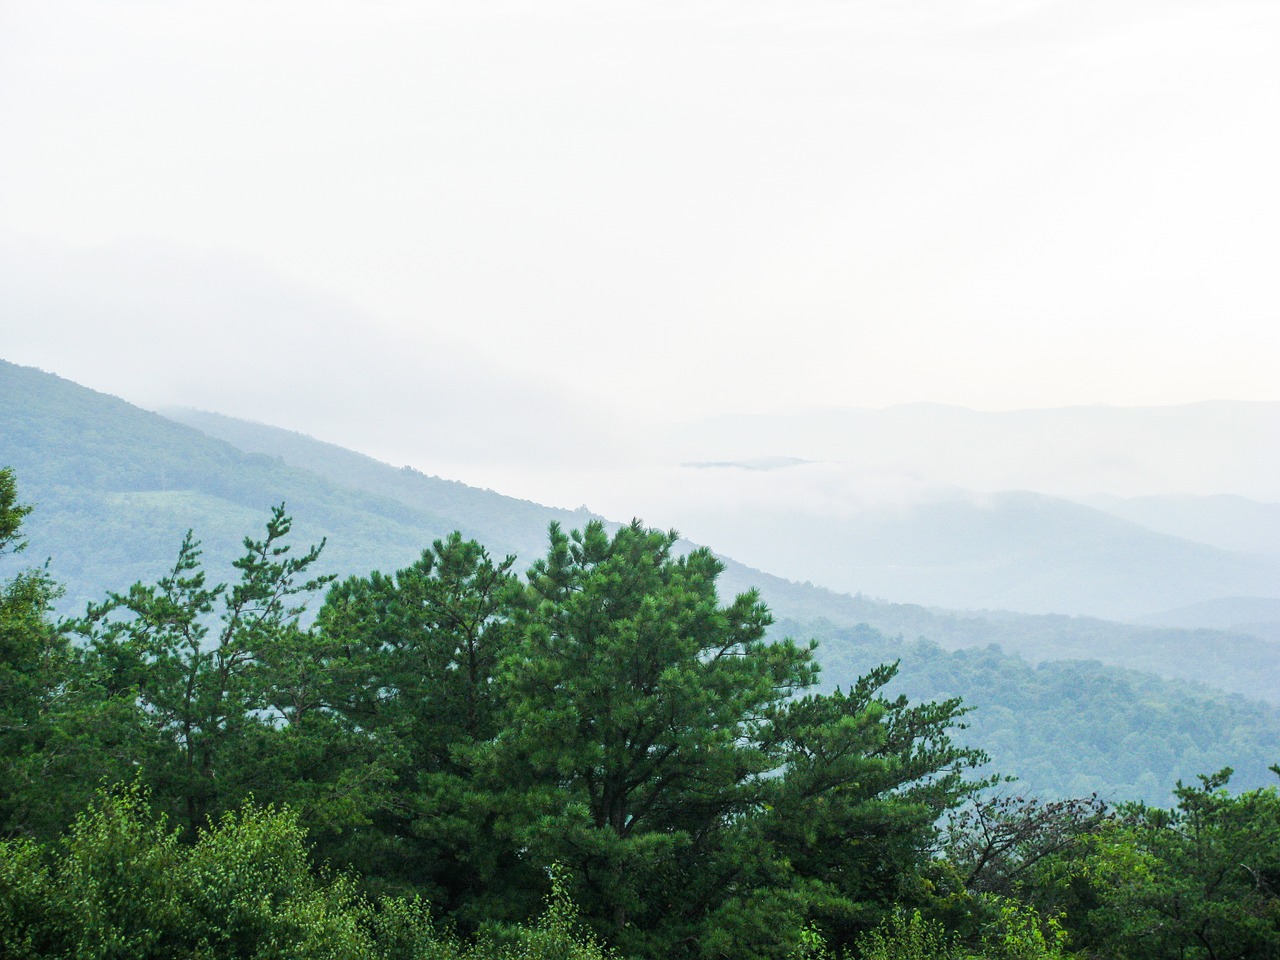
[{"x": 603, "y": 734}]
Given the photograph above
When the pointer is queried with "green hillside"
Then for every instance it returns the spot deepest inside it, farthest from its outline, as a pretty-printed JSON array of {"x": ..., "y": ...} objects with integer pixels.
[
  {"x": 115, "y": 487},
  {"x": 1072, "y": 727},
  {"x": 1234, "y": 661}
]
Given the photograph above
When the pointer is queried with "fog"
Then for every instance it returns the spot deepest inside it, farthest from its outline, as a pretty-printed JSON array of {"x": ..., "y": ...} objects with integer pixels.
[{"x": 561, "y": 249}]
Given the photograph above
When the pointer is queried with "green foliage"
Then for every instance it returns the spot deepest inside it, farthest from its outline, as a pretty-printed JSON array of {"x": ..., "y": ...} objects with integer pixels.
[
  {"x": 1073, "y": 728},
  {"x": 636, "y": 705},
  {"x": 11, "y": 513},
  {"x": 866, "y": 779},
  {"x": 453, "y": 732},
  {"x": 1011, "y": 931},
  {"x": 1199, "y": 880},
  {"x": 559, "y": 933},
  {"x": 122, "y": 886},
  {"x": 421, "y": 650},
  {"x": 906, "y": 936},
  {"x": 607, "y": 738},
  {"x": 225, "y": 694},
  {"x": 42, "y": 705},
  {"x": 115, "y": 482},
  {"x": 117, "y": 884},
  {"x": 614, "y": 717},
  {"x": 1018, "y": 932},
  {"x": 997, "y": 840},
  {"x": 812, "y": 945},
  {"x": 28, "y": 903}
]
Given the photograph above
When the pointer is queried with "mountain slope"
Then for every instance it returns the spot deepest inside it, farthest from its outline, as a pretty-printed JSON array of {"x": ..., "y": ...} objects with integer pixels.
[
  {"x": 1011, "y": 550},
  {"x": 116, "y": 486},
  {"x": 1230, "y": 523}
]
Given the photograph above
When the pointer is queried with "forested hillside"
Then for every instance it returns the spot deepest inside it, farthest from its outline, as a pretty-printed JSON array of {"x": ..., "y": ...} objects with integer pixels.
[
  {"x": 129, "y": 482},
  {"x": 1071, "y": 727},
  {"x": 115, "y": 488}
]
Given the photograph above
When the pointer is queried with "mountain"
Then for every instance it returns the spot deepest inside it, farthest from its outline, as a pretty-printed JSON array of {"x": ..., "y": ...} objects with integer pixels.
[
  {"x": 130, "y": 482},
  {"x": 115, "y": 487},
  {"x": 1071, "y": 727},
  {"x": 1005, "y": 551},
  {"x": 1107, "y": 512},
  {"x": 1258, "y": 616},
  {"x": 1227, "y": 522}
]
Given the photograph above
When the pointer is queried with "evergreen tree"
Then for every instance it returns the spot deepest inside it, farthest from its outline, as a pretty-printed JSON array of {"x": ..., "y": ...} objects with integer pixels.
[
  {"x": 229, "y": 692},
  {"x": 637, "y": 706},
  {"x": 58, "y": 734},
  {"x": 654, "y": 746},
  {"x": 420, "y": 653}
]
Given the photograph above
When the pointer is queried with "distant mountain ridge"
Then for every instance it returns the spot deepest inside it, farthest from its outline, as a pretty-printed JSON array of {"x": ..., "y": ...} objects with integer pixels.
[
  {"x": 1107, "y": 512},
  {"x": 1014, "y": 550},
  {"x": 87, "y": 458},
  {"x": 1224, "y": 521}
]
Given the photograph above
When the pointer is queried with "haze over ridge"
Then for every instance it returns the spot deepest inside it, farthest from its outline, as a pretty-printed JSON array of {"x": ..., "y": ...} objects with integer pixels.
[{"x": 665, "y": 210}]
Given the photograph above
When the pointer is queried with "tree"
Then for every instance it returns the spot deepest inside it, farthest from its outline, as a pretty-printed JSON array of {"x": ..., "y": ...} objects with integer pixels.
[
  {"x": 865, "y": 780},
  {"x": 635, "y": 711},
  {"x": 48, "y": 765},
  {"x": 453, "y": 731},
  {"x": 420, "y": 653},
  {"x": 652, "y": 746},
  {"x": 1199, "y": 881},
  {"x": 121, "y": 884},
  {"x": 11, "y": 514},
  {"x": 996, "y": 841},
  {"x": 229, "y": 691}
]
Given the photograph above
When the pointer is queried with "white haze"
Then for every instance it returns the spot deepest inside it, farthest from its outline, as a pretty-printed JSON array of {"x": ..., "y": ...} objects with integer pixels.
[
  {"x": 696, "y": 207},
  {"x": 562, "y": 248}
]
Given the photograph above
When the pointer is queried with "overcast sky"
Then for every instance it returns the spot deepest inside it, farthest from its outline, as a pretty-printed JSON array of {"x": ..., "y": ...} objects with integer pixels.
[{"x": 273, "y": 208}]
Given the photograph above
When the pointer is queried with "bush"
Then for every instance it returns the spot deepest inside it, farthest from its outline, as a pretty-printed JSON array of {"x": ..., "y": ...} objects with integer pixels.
[{"x": 121, "y": 886}]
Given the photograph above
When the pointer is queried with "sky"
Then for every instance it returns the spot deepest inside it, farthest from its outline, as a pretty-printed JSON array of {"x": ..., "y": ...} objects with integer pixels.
[{"x": 534, "y": 225}]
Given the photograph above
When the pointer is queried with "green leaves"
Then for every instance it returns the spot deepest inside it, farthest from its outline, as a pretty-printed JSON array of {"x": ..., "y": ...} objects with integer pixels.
[
  {"x": 652, "y": 746},
  {"x": 121, "y": 886},
  {"x": 11, "y": 513},
  {"x": 1199, "y": 881},
  {"x": 613, "y": 716},
  {"x": 227, "y": 694},
  {"x": 38, "y": 692}
]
